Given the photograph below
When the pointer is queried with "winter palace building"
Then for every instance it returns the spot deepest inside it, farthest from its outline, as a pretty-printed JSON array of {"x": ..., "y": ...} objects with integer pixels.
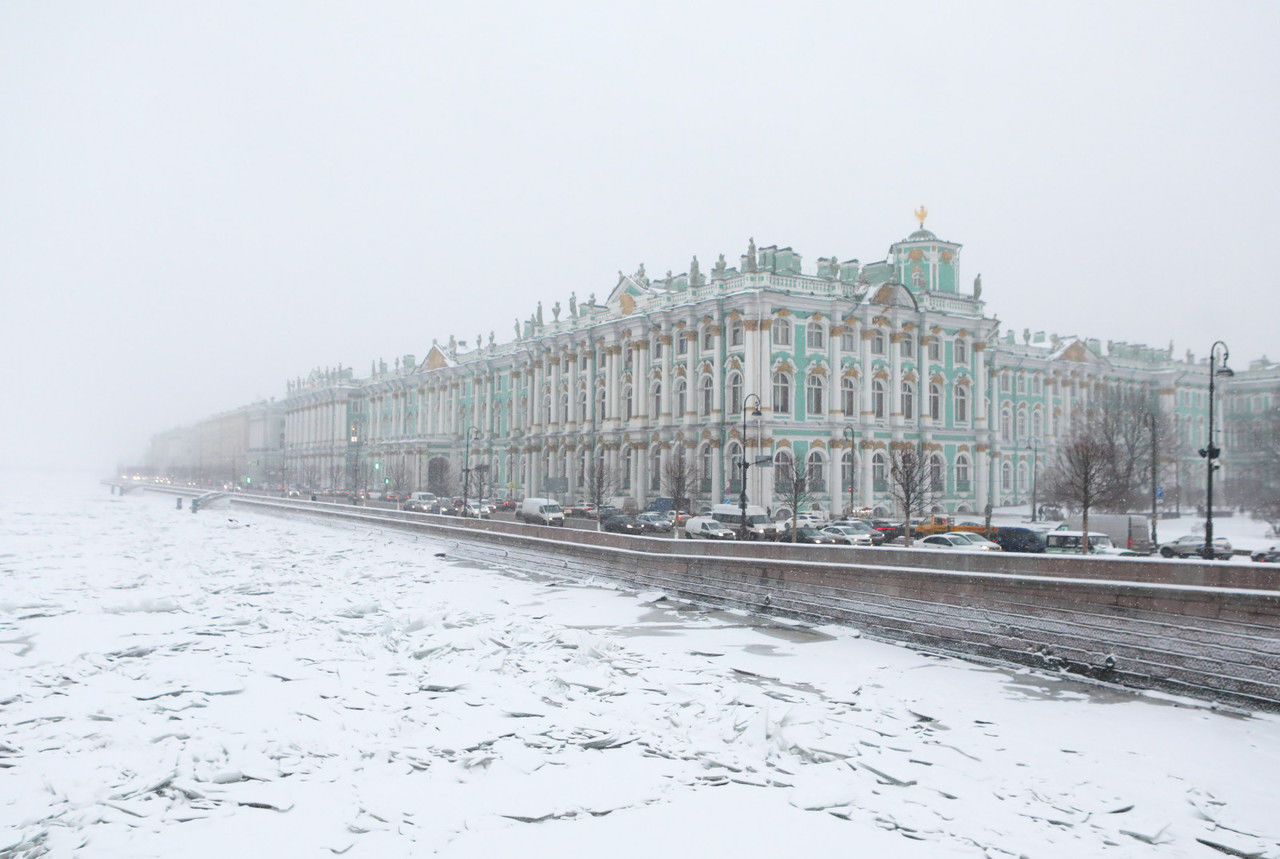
[{"x": 842, "y": 362}]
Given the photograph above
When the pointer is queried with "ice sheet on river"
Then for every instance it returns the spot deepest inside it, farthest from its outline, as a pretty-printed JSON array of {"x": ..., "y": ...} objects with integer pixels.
[{"x": 176, "y": 684}]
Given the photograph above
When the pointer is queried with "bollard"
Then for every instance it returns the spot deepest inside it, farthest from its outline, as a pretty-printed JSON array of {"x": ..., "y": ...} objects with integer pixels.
[
  {"x": 195, "y": 503},
  {"x": 179, "y": 502}
]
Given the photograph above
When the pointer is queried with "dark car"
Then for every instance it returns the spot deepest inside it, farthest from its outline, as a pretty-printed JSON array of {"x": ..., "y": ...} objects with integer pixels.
[
  {"x": 812, "y": 536},
  {"x": 623, "y": 525},
  {"x": 1015, "y": 539},
  {"x": 891, "y": 530},
  {"x": 654, "y": 522},
  {"x": 1267, "y": 556}
]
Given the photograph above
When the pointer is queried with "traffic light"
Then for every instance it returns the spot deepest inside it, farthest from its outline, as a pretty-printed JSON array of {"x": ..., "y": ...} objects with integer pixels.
[
  {"x": 377, "y": 466},
  {"x": 386, "y": 481}
]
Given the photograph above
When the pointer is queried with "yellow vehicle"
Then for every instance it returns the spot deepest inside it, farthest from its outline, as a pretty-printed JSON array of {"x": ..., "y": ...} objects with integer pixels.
[{"x": 942, "y": 524}]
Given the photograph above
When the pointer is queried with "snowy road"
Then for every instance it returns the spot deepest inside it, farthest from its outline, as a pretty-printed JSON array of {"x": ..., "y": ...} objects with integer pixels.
[{"x": 228, "y": 684}]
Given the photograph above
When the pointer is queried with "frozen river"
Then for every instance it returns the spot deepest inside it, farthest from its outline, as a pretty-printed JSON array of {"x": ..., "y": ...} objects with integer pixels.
[{"x": 234, "y": 684}]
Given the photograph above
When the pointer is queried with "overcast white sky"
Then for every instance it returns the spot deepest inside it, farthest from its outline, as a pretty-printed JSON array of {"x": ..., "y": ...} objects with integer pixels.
[{"x": 199, "y": 201}]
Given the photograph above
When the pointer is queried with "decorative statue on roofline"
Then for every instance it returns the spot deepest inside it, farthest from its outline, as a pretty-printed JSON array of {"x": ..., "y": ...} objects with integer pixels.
[
  {"x": 573, "y": 305},
  {"x": 977, "y": 286},
  {"x": 555, "y": 312}
]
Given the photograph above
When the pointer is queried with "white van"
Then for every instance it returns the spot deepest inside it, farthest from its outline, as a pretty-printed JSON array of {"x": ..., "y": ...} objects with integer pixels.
[
  {"x": 540, "y": 511},
  {"x": 759, "y": 525}
]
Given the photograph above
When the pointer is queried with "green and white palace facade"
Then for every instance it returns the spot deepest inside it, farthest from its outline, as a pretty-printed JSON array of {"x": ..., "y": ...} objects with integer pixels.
[{"x": 843, "y": 361}]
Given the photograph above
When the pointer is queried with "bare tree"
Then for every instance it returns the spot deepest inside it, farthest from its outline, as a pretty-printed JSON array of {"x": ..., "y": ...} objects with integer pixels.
[
  {"x": 396, "y": 468},
  {"x": 443, "y": 480},
  {"x": 1261, "y": 485},
  {"x": 601, "y": 484},
  {"x": 1082, "y": 475},
  {"x": 337, "y": 471},
  {"x": 680, "y": 474},
  {"x": 792, "y": 487},
  {"x": 910, "y": 484}
]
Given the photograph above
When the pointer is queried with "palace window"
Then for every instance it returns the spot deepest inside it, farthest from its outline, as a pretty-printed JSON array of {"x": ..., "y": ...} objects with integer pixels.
[
  {"x": 962, "y": 473},
  {"x": 877, "y": 343},
  {"x": 849, "y": 340},
  {"x": 682, "y": 344},
  {"x": 961, "y": 404},
  {"x": 908, "y": 401},
  {"x": 1006, "y": 477},
  {"x": 1022, "y": 424},
  {"x": 846, "y": 470},
  {"x": 628, "y": 401},
  {"x": 781, "y": 332},
  {"x": 935, "y": 402},
  {"x": 783, "y": 470},
  {"x": 908, "y": 347},
  {"x": 815, "y": 478},
  {"x": 877, "y": 398},
  {"x": 1037, "y": 424},
  {"x": 656, "y": 396},
  {"x": 815, "y": 336},
  {"x": 935, "y": 474},
  {"x": 682, "y": 397},
  {"x": 879, "y": 477},
  {"x": 935, "y": 349},
  {"x": 704, "y": 476},
  {"x": 735, "y": 393},
  {"x": 781, "y": 394},
  {"x": 735, "y": 332},
  {"x": 961, "y": 352},
  {"x": 708, "y": 396},
  {"x": 656, "y": 347},
  {"x": 848, "y": 398},
  {"x": 709, "y": 338},
  {"x": 813, "y": 399},
  {"x": 1006, "y": 426}
]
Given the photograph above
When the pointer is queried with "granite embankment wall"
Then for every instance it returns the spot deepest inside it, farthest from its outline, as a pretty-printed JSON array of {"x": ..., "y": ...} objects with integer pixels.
[{"x": 1210, "y": 630}]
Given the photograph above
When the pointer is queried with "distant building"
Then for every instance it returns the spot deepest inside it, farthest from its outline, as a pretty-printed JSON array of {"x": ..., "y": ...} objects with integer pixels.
[{"x": 845, "y": 362}]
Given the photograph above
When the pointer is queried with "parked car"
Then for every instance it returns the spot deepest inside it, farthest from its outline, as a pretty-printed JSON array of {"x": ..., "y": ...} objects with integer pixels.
[
  {"x": 540, "y": 511},
  {"x": 623, "y": 525},
  {"x": 953, "y": 542},
  {"x": 1013, "y": 538},
  {"x": 1192, "y": 546},
  {"x": 1267, "y": 556},
  {"x": 848, "y": 535},
  {"x": 975, "y": 539},
  {"x": 655, "y": 522},
  {"x": 758, "y": 524},
  {"x": 706, "y": 528},
  {"x": 877, "y": 538}
]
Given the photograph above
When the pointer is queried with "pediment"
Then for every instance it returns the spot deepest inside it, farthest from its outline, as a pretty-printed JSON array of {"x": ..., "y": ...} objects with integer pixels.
[{"x": 892, "y": 294}]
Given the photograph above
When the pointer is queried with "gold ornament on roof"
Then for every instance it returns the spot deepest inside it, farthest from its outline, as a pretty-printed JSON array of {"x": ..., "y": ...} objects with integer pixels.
[{"x": 921, "y": 214}]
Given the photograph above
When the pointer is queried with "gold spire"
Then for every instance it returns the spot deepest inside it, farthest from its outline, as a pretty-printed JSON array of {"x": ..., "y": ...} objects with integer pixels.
[{"x": 921, "y": 214}]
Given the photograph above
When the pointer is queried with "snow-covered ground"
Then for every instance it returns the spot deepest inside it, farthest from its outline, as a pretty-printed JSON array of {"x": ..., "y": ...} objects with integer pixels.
[{"x": 231, "y": 684}]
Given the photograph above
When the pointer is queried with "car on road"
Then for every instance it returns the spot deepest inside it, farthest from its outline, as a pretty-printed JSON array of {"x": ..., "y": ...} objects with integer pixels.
[
  {"x": 862, "y": 525},
  {"x": 976, "y": 539},
  {"x": 847, "y": 535},
  {"x": 1267, "y": 556},
  {"x": 952, "y": 542},
  {"x": 1064, "y": 542},
  {"x": 655, "y": 522},
  {"x": 811, "y": 536},
  {"x": 1192, "y": 546},
  {"x": 1014, "y": 538},
  {"x": 890, "y": 529},
  {"x": 623, "y": 524},
  {"x": 707, "y": 528}
]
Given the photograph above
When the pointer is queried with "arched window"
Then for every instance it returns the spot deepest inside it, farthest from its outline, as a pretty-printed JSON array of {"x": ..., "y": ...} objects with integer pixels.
[
  {"x": 628, "y": 459},
  {"x": 813, "y": 395},
  {"x": 908, "y": 401},
  {"x": 682, "y": 397},
  {"x": 735, "y": 332},
  {"x": 601, "y": 402},
  {"x": 815, "y": 336},
  {"x": 627, "y": 398},
  {"x": 781, "y": 394},
  {"x": 1022, "y": 424},
  {"x": 582, "y": 471},
  {"x": 848, "y": 398},
  {"x": 781, "y": 332},
  {"x": 1006, "y": 426},
  {"x": 783, "y": 470},
  {"x": 1006, "y": 477},
  {"x": 708, "y": 396},
  {"x": 582, "y": 406},
  {"x": 1022, "y": 477},
  {"x": 877, "y": 343},
  {"x": 908, "y": 346},
  {"x": 733, "y": 462},
  {"x": 879, "y": 472},
  {"x": 1037, "y": 424},
  {"x": 877, "y": 398},
  {"x": 564, "y": 408},
  {"x": 735, "y": 393},
  {"x": 655, "y": 471},
  {"x": 815, "y": 473},
  {"x": 935, "y": 402},
  {"x": 961, "y": 352},
  {"x": 656, "y": 397},
  {"x": 704, "y": 468},
  {"x": 962, "y": 473},
  {"x": 936, "y": 472},
  {"x": 846, "y": 470},
  {"x": 708, "y": 338}
]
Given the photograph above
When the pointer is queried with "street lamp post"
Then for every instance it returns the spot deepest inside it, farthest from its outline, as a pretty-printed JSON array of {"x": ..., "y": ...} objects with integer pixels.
[
  {"x": 745, "y": 464},
  {"x": 1211, "y": 451},
  {"x": 850, "y": 434}
]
